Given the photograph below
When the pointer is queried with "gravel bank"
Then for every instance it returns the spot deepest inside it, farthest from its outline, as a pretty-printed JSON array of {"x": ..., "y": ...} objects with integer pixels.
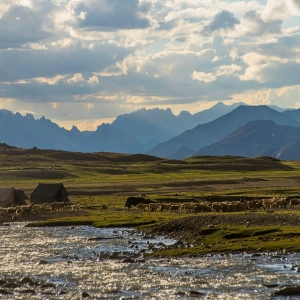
[{"x": 190, "y": 226}]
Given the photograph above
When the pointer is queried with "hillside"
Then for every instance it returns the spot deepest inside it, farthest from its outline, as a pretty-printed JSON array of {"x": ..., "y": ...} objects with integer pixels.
[
  {"x": 290, "y": 151},
  {"x": 253, "y": 139},
  {"x": 209, "y": 133}
]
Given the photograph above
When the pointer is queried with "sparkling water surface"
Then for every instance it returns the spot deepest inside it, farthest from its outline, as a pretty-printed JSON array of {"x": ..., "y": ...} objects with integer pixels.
[{"x": 73, "y": 264}]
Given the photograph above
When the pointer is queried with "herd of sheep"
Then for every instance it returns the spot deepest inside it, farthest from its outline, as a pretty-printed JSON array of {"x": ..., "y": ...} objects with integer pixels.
[
  {"x": 16, "y": 212},
  {"x": 146, "y": 205},
  {"x": 226, "y": 206}
]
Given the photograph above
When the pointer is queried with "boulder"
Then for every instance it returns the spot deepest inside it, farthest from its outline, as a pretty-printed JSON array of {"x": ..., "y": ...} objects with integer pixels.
[{"x": 288, "y": 291}]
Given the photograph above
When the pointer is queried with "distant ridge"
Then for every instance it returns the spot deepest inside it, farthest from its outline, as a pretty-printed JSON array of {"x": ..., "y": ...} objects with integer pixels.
[
  {"x": 209, "y": 133},
  {"x": 141, "y": 132},
  {"x": 259, "y": 138},
  {"x": 158, "y": 125}
]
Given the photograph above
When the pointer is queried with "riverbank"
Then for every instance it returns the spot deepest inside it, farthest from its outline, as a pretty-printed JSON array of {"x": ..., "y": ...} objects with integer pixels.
[
  {"x": 231, "y": 233},
  {"x": 197, "y": 234}
]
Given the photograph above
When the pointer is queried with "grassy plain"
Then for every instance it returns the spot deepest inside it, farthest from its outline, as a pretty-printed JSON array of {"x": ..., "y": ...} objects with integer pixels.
[{"x": 96, "y": 178}]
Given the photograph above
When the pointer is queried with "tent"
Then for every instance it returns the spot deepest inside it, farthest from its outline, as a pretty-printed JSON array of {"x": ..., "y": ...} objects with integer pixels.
[
  {"x": 22, "y": 194},
  {"x": 10, "y": 197},
  {"x": 49, "y": 192}
]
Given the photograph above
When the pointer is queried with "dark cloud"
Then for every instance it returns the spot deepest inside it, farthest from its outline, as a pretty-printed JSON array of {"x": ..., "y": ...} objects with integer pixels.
[
  {"x": 297, "y": 3},
  {"x": 20, "y": 25},
  {"x": 223, "y": 20},
  {"x": 17, "y": 65},
  {"x": 284, "y": 47},
  {"x": 259, "y": 26},
  {"x": 111, "y": 15},
  {"x": 281, "y": 74}
]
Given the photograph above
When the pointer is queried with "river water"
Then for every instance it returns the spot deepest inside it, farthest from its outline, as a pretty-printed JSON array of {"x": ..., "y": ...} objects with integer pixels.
[{"x": 77, "y": 262}]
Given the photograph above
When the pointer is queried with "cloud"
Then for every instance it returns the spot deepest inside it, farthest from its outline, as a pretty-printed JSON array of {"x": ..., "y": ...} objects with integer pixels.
[
  {"x": 110, "y": 15},
  {"x": 90, "y": 59},
  {"x": 296, "y": 4},
  {"x": 225, "y": 70},
  {"x": 53, "y": 61},
  {"x": 205, "y": 77},
  {"x": 76, "y": 78},
  {"x": 257, "y": 26},
  {"x": 20, "y": 25},
  {"x": 93, "y": 80},
  {"x": 224, "y": 20}
]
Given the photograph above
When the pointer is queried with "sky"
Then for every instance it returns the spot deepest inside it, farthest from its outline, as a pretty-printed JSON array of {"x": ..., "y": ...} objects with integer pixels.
[{"x": 85, "y": 62}]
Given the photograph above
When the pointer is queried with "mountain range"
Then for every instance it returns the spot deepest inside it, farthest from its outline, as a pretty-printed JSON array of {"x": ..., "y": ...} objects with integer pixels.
[{"x": 238, "y": 129}]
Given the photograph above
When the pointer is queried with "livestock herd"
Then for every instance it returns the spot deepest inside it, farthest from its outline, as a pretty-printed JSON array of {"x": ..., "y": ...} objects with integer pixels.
[
  {"x": 24, "y": 210},
  {"x": 14, "y": 213},
  {"x": 143, "y": 205}
]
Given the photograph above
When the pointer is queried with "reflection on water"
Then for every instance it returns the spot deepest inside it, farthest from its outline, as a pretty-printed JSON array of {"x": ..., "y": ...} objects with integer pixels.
[{"x": 64, "y": 263}]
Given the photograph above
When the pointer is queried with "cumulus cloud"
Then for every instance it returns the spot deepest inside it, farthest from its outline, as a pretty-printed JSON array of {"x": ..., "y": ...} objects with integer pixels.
[
  {"x": 225, "y": 70},
  {"x": 93, "y": 80},
  {"x": 205, "y": 77},
  {"x": 224, "y": 20},
  {"x": 76, "y": 78}
]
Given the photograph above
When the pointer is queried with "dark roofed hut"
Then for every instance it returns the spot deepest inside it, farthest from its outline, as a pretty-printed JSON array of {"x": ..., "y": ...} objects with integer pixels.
[
  {"x": 22, "y": 194},
  {"x": 10, "y": 197},
  {"x": 49, "y": 192}
]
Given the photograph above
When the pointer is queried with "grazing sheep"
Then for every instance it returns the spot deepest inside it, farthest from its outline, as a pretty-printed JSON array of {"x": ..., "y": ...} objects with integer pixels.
[
  {"x": 188, "y": 207},
  {"x": 26, "y": 209},
  {"x": 153, "y": 207},
  {"x": 3, "y": 211},
  {"x": 202, "y": 207},
  {"x": 11, "y": 210},
  {"x": 76, "y": 206},
  {"x": 268, "y": 203},
  {"x": 36, "y": 208},
  {"x": 165, "y": 207},
  {"x": 104, "y": 207},
  {"x": 175, "y": 208},
  {"x": 142, "y": 207},
  {"x": 57, "y": 206},
  {"x": 217, "y": 207},
  {"x": 281, "y": 203}
]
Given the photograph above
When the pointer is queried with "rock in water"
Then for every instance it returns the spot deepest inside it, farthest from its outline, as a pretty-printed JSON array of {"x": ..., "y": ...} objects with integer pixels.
[
  {"x": 288, "y": 291},
  {"x": 85, "y": 295}
]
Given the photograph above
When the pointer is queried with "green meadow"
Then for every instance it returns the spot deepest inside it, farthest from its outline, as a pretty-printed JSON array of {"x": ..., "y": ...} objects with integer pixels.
[{"x": 96, "y": 178}]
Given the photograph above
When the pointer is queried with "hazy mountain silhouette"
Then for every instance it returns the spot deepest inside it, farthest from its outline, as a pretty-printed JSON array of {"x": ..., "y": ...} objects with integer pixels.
[
  {"x": 158, "y": 125},
  {"x": 27, "y": 132},
  {"x": 295, "y": 114},
  {"x": 209, "y": 133},
  {"x": 137, "y": 132},
  {"x": 259, "y": 138}
]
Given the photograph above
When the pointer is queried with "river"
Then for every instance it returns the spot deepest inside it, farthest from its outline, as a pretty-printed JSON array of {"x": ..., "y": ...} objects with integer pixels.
[{"x": 82, "y": 261}]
